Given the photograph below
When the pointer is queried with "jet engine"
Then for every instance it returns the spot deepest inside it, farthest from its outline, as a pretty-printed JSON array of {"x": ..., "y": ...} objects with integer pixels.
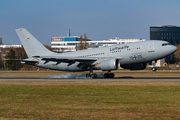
[
  {"x": 106, "y": 65},
  {"x": 140, "y": 66}
]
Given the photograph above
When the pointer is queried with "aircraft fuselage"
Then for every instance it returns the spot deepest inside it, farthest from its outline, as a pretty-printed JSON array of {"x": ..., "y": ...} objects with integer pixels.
[{"x": 131, "y": 53}]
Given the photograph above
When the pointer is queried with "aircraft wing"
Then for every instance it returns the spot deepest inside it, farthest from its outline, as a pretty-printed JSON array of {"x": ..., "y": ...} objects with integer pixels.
[
  {"x": 65, "y": 59},
  {"x": 69, "y": 59}
]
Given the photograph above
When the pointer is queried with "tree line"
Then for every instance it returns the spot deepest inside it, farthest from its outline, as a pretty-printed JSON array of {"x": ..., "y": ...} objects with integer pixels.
[
  {"x": 177, "y": 53},
  {"x": 19, "y": 53},
  {"x": 15, "y": 53},
  {"x": 83, "y": 42}
]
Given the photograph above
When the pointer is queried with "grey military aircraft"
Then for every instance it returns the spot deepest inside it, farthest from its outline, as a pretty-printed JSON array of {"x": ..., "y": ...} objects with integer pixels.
[{"x": 133, "y": 56}]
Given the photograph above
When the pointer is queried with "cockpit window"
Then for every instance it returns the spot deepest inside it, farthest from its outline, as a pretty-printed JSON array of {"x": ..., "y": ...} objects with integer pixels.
[{"x": 164, "y": 44}]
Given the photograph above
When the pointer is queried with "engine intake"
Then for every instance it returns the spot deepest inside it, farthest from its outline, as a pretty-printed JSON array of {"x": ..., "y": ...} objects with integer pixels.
[{"x": 106, "y": 65}]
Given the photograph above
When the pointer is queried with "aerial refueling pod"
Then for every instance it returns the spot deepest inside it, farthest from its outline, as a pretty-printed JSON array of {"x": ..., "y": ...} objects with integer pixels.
[
  {"x": 140, "y": 66},
  {"x": 106, "y": 65}
]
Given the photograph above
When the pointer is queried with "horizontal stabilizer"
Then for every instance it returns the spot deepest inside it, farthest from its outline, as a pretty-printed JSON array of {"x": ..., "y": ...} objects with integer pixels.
[{"x": 23, "y": 60}]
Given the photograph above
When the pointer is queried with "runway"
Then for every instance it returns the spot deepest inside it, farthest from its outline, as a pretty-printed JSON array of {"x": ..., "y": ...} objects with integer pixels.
[{"x": 90, "y": 79}]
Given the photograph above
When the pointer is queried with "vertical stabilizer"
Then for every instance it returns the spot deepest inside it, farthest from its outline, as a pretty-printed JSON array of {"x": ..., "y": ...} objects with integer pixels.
[{"x": 31, "y": 45}]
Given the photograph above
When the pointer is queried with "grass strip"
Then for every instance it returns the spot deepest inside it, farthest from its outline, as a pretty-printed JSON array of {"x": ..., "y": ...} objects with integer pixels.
[{"x": 89, "y": 100}]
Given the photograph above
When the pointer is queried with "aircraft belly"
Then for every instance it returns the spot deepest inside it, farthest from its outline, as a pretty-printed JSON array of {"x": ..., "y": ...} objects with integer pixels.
[
  {"x": 151, "y": 56},
  {"x": 137, "y": 57}
]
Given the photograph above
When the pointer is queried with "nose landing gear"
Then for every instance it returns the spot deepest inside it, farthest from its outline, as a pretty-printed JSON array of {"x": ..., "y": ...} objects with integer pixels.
[
  {"x": 154, "y": 66},
  {"x": 154, "y": 69}
]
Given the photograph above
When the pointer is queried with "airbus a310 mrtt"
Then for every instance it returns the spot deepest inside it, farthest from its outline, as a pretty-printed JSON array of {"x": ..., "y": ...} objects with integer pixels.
[{"x": 133, "y": 56}]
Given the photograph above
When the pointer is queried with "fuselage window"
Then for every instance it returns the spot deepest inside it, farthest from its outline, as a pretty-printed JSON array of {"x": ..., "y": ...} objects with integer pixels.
[{"x": 164, "y": 44}]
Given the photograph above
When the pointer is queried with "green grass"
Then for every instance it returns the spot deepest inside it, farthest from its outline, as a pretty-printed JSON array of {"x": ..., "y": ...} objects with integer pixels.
[{"x": 89, "y": 100}]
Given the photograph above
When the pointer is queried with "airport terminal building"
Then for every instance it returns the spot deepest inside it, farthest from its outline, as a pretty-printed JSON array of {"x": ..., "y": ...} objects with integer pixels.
[
  {"x": 67, "y": 44},
  {"x": 8, "y": 46}
]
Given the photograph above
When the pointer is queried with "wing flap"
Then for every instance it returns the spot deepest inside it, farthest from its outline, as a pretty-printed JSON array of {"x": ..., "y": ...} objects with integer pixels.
[{"x": 69, "y": 59}]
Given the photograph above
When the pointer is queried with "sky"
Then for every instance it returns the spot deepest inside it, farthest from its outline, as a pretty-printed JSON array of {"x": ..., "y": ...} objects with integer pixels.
[{"x": 99, "y": 19}]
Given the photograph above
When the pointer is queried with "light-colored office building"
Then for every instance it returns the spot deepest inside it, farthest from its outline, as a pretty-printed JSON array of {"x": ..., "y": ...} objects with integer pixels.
[{"x": 66, "y": 44}]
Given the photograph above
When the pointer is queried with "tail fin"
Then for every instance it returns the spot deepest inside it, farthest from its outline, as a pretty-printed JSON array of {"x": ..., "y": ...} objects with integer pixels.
[{"x": 31, "y": 45}]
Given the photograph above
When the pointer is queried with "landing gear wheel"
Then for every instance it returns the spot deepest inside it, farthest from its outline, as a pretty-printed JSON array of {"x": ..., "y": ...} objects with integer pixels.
[
  {"x": 91, "y": 75},
  {"x": 154, "y": 69},
  {"x": 94, "y": 75},
  {"x": 109, "y": 75},
  {"x": 88, "y": 75},
  {"x": 106, "y": 75},
  {"x": 154, "y": 66}
]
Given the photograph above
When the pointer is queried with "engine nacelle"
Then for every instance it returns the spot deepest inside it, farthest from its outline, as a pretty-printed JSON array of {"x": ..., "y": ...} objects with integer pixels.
[
  {"x": 106, "y": 65},
  {"x": 139, "y": 66}
]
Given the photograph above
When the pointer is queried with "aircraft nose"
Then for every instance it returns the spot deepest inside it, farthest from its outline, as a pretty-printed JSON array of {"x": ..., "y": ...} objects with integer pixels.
[{"x": 173, "y": 48}]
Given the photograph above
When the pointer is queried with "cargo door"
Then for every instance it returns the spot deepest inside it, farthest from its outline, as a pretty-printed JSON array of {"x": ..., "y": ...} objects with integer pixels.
[{"x": 151, "y": 47}]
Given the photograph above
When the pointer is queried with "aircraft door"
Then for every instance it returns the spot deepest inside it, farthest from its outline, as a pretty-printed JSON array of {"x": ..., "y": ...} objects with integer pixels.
[
  {"x": 151, "y": 50},
  {"x": 151, "y": 47}
]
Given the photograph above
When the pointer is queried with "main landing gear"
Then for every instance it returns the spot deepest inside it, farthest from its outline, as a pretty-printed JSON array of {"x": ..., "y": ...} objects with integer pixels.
[
  {"x": 91, "y": 74},
  {"x": 106, "y": 75},
  {"x": 109, "y": 75},
  {"x": 94, "y": 75},
  {"x": 154, "y": 66}
]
